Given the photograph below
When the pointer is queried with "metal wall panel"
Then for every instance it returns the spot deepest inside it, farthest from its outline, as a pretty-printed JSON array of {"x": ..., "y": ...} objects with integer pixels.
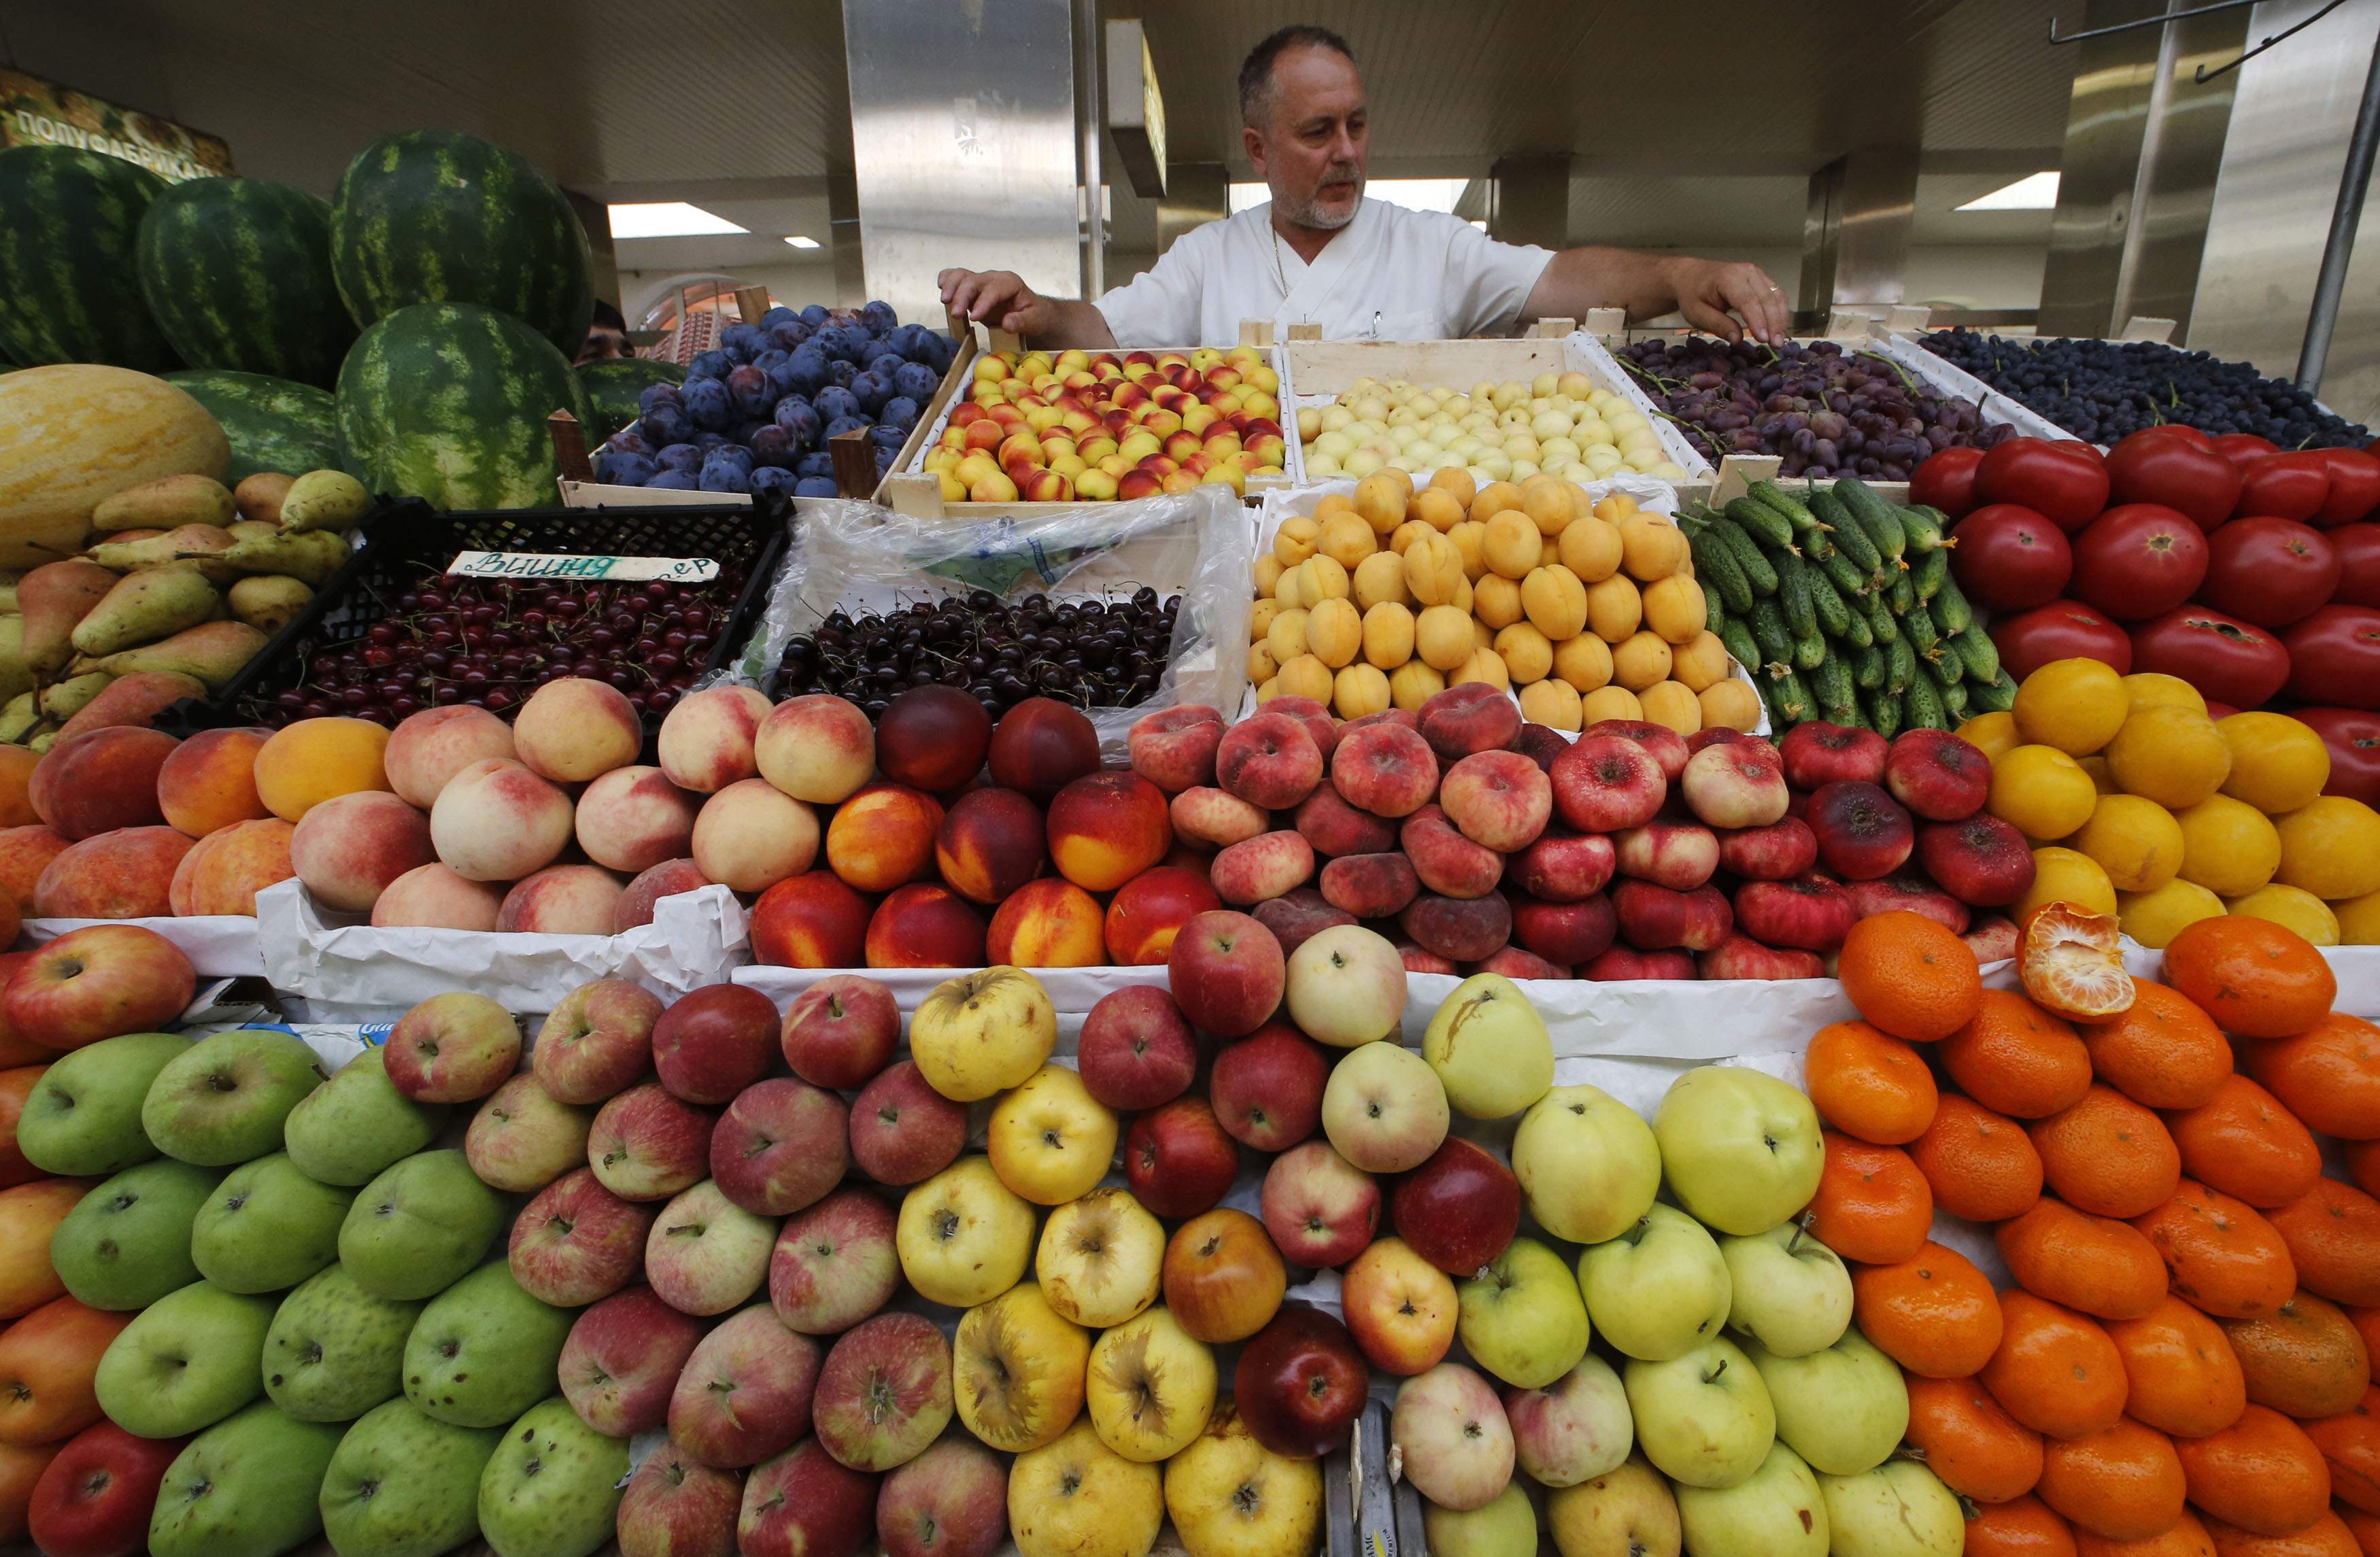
[{"x": 974, "y": 166}]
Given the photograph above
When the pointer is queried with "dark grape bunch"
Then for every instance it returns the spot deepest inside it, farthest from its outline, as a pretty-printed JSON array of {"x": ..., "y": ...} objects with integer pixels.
[
  {"x": 1093, "y": 653},
  {"x": 490, "y": 643},
  {"x": 1824, "y": 411},
  {"x": 2102, "y": 390}
]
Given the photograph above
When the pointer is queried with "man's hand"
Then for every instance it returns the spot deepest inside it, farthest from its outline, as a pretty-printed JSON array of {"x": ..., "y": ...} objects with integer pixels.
[
  {"x": 999, "y": 298},
  {"x": 1713, "y": 294}
]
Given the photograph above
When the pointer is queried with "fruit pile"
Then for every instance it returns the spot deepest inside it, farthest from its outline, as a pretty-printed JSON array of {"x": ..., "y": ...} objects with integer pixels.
[
  {"x": 755, "y": 413},
  {"x": 1822, "y": 411},
  {"x": 1561, "y": 424},
  {"x": 2101, "y": 391},
  {"x": 1390, "y": 596},
  {"x": 2183, "y": 1363},
  {"x": 1098, "y": 427},
  {"x": 2141, "y": 805}
]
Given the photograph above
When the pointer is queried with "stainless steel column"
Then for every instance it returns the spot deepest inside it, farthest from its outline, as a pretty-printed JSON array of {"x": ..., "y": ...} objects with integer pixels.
[{"x": 1856, "y": 228}]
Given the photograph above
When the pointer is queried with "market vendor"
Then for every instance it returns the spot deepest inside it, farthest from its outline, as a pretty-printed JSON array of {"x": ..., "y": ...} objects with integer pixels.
[{"x": 1318, "y": 252}]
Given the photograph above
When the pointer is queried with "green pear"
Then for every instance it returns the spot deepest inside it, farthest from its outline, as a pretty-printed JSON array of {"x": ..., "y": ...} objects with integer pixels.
[
  {"x": 1792, "y": 1294},
  {"x": 63, "y": 700},
  {"x": 268, "y": 1227},
  {"x": 1489, "y": 1048},
  {"x": 404, "y": 1484},
  {"x": 484, "y": 1350},
  {"x": 224, "y": 1098},
  {"x": 164, "y": 503},
  {"x": 552, "y": 1486},
  {"x": 144, "y": 607},
  {"x": 311, "y": 557},
  {"x": 82, "y": 1118},
  {"x": 268, "y": 601},
  {"x": 1778, "y": 1512},
  {"x": 187, "y": 1361},
  {"x": 415, "y": 1230},
  {"x": 126, "y": 1244},
  {"x": 19, "y": 717},
  {"x": 1506, "y": 1526},
  {"x": 257, "y": 497},
  {"x": 357, "y": 1124},
  {"x": 135, "y": 700},
  {"x": 212, "y": 652},
  {"x": 1843, "y": 1409},
  {"x": 16, "y": 676},
  {"x": 1741, "y": 1149},
  {"x": 190, "y": 548},
  {"x": 1522, "y": 1318},
  {"x": 249, "y": 1487},
  {"x": 1659, "y": 1289},
  {"x": 1899, "y": 1509},
  {"x": 1703, "y": 1419},
  {"x": 53, "y": 598},
  {"x": 324, "y": 500},
  {"x": 253, "y": 530},
  {"x": 1587, "y": 1163},
  {"x": 335, "y": 1351}
]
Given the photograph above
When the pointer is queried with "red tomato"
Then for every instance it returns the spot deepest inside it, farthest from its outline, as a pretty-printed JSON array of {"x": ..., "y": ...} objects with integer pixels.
[
  {"x": 2235, "y": 662},
  {"x": 2184, "y": 473},
  {"x": 2064, "y": 481},
  {"x": 2354, "y": 486},
  {"x": 2358, "y": 546},
  {"x": 2009, "y": 559},
  {"x": 2064, "y": 629},
  {"x": 2335, "y": 657},
  {"x": 2290, "y": 485},
  {"x": 1947, "y": 481},
  {"x": 2353, "y": 736},
  {"x": 2268, "y": 571},
  {"x": 2139, "y": 560},
  {"x": 2243, "y": 449}
]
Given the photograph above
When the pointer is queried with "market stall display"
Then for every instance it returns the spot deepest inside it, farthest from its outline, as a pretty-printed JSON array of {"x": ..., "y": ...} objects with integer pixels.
[{"x": 1564, "y": 424}]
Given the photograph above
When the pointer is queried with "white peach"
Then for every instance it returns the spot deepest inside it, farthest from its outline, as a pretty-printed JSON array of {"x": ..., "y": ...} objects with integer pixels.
[
  {"x": 497, "y": 822},
  {"x": 707, "y": 741},
  {"x": 751, "y": 835},
  {"x": 576, "y": 729},
  {"x": 632, "y": 819}
]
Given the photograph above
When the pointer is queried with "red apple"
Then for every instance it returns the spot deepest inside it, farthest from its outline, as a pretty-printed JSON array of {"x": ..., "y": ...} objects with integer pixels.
[
  {"x": 597, "y": 1042},
  {"x": 1177, "y": 1159},
  {"x": 646, "y": 1145},
  {"x": 1227, "y": 972},
  {"x": 1937, "y": 775},
  {"x": 834, "y": 1264},
  {"x": 100, "y": 981},
  {"x": 745, "y": 1392},
  {"x": 676, "y": 1507},
  {"x": 1266, "y": 1089},
  {"x": 884, "y": 1391},
  {"x": 714, "y": 1042},
  {"x": 840, "y": 1030},
  {"x": 94, "y": 1498},
  {"x": 1300, "y": 1383},
  {"x": 577, "y": 1242},
  {"x": 1815, "y": 753},
  {"x": 902, "y": 1130},
  {"x": 1136, "y": 1052},
  {"x": 803, "y": 1504},
  {"x": 1321, "y": 1209},
  {"x": 1459, "y": 1208},
  {"x": 781, "y": 1145},
  {"x": 622, "y": 1360},
  {"x": 452, "y": 1048},
  {"x": 952, "y": 1500}
]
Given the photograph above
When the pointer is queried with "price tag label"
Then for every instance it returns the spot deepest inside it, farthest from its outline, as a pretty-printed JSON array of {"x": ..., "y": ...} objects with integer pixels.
[{"x": 540, "y": 565}]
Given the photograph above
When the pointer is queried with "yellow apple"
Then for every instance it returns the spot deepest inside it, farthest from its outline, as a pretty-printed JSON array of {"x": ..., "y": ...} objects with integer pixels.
[
  {"x": 1101, "y": 1258},
  {"x": 1017, "y": 1369},
  {"x": 963, "y": 1235},
  {"x": 1151, "y": 1388},
  {"x": 1079, "y": 1497},
  {"x": 1049, "y": 1139},
  {"x": 982, "y": 1032},
  {"x": 1230, "y": 1496}
]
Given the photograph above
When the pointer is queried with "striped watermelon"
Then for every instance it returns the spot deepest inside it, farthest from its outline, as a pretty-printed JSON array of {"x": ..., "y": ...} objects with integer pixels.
[
  {"x": 613, "y": 385},
  {"x": 69, "y": 288},
  {"x": 75, "y": 432},
  {"x": 273, "y": 424},
  {"x": 448, "y": 402},
  {"x": 236, "y": 272},
  {"x": 431, "y": 215}
]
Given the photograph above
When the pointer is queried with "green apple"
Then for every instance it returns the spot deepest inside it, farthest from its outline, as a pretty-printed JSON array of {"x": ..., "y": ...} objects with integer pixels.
[
  {"x": 1778, "y": 1512},
  {"x": 335, "y": 1351},
  {"x": 1843, "y": 1409},
  {"x": 484, "y": 1350},
  {"x": 1587, "y": 1163},
  {"x": 185, "y": 1362},
  {"x": 224, "y": 1098},
  {"x": 268, "y": 1227},
  {"x": 1490, "y": 1048},
  {"x": 414, "y": 1230},
  {"x": 404, "y": 1484},
  {"x": 82, "y": 1118},
  {"x": 1505, "y": 1527},
  {"x": 1899, "y": 1509},
  {"x": 1741, "y": 1149},
  {"x": 553, "y": 1486},
  {"x": 248, "y": 1487},
  {"x": 1522, "y": 1318},
  {"x": 1705, "y": 1418},
  {"x": 1792, "y": 1294},
  {"x": 126, "y": 1244},
  {"x": 357, "y": 1123},
  {"x": 1658, "y": 1290}
]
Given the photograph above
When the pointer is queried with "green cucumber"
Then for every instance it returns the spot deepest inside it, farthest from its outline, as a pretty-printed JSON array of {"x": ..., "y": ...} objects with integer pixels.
[
  {"x": 1879, "y": 619},
  {"x": 1748, "y": 556},
  {"x": 1716, "y": 570},
  {"x": 1834, "y": 616},
  {"x": 1741, "y": 648},
  {"x": 1867, "y": 667},
  {"x": 1953, "y": 694},
  {"x": 1917, "y": 626},
  {"x": 1849, "y": 538},
  {"x": 1831, "y": 683},
  {"x": 1770, "y": 630},
  {"x": 1925, "y": 526},
  {"x": 1761, "y": 522},
  {"x": 1849, "y": 581},
  {"x": 1996, "y": 696},
  {"x": 1809, "y": 651},
  {"x": 1900, "y": 665},
  {"x": 1952, "y": 612},
  {"x": 1793, "y": 594},
  {"x": 1788, "y": 700},
  {"x": 1882, "y": 521},
  {"x": 1978, "y": 652},
  {"x": 1796, "y": 511},
  {"x": 1883, "y": 712},
  {"x": 1932, "y": 571}
]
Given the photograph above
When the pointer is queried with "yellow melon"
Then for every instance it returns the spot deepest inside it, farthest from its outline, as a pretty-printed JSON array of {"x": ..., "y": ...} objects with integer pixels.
[{"x": 75, "y": 433}]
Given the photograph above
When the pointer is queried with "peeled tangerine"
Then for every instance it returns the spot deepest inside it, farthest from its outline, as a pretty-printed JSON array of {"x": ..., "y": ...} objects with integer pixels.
[
  {"x": 1489, "y": 1048},
  {"x": 2070, "y": 964}
]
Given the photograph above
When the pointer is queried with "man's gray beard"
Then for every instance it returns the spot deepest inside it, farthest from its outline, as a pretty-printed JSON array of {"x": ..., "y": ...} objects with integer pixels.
[{"x": 1309, "y": 215}]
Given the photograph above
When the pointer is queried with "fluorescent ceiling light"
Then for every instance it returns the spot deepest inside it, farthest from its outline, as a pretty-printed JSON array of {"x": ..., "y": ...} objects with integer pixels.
[
  {"x": 1415, "y": 194},
  {"x": 800, "y": 240},
  {"x": 669, "y": 218},
  {"x": 2036, "y": 192}
]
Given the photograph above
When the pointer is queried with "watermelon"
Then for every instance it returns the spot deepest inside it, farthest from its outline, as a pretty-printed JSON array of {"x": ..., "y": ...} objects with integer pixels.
[
  {"x": 70, "y": 291},
  {"x": 236, "y": 272},
  {"x": 273, "y": 424},
  {"x": 613, "y": 385},
  {"x": 432, "y": 215},
  {"x": 73, "y": 433},
  {"x": 448, "y": 402}
]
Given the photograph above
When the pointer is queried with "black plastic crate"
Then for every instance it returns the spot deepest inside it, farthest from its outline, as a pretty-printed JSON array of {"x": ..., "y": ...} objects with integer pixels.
[{"x": 407, "y": 543}]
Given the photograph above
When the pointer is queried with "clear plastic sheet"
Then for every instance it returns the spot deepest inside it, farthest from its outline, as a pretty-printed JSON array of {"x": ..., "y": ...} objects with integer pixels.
[{"x": 1200, "y": 544}]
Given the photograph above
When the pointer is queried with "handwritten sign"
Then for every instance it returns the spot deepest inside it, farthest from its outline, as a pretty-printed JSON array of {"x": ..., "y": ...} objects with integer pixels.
[{"x": 534, "y": 564}]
